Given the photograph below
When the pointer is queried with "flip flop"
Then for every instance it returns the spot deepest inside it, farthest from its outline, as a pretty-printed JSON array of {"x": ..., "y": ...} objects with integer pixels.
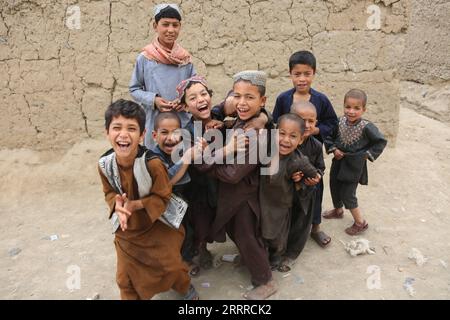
[{"x": 321, "y": 237}]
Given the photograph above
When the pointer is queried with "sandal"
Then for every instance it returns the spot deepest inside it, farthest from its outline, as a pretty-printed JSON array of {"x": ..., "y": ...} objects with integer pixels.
[
  {"x": 283, "y": 268},
  {"x": 321, "y": 238},
  {"x": 333, "y": 214},
  {"x": 357, "y": 228},
  {"x": 192, "y": 294}
]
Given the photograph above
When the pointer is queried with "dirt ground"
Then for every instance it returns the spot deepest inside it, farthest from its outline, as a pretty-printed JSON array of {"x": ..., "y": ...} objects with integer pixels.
[{"x": 406, "y": 203}]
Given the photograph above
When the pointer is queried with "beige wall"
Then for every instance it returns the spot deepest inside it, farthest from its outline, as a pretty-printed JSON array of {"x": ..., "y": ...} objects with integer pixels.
[{"x": 55, "y": 83}]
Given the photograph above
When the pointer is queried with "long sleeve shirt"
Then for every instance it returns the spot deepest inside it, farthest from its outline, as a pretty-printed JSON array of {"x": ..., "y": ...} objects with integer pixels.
[
  {"x": 326, "y": 116},
  {"x": 150, "y": 79}
]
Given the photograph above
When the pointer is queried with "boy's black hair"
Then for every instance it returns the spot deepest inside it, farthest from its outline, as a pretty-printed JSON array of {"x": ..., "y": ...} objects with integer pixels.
[
  {"x": 166, "y": 115},
  {"x": 183, "y": 98},
  {"x": 292, "y": 117},
  {"x": 261, "y": 89},
  {"x": 127, "y": 109},
  {"x": 168, "y": 12},
  {"x": 357, "y": 94},
  {"x": 302, "y": 57}
]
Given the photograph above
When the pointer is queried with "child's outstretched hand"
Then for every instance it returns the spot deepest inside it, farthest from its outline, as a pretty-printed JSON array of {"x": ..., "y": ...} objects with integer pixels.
[
  {"x": 195, "y": 152},
  {"x": 201, "y": 143},
  {"x": 338, "y": 154},
  {"x": 313, "y": 181},
  {"x": 237, "y": 143}
]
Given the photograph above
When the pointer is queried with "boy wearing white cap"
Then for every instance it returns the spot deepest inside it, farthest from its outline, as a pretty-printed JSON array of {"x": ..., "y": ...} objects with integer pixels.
[
  {"x": 160, "y": 67},
  {"x": 238, "y": 209}
]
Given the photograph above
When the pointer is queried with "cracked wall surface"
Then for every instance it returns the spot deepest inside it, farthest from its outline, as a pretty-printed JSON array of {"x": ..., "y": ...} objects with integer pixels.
[{"x": 55, "y": 82}]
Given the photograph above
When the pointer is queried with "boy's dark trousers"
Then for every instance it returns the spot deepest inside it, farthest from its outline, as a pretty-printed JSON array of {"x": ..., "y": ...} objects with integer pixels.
[
  {"x": 251, "y": 248},
  {"x": 317, "y": 217},
  {"x": 302, "y": 216},
  {"x": 342, "y": 193}
]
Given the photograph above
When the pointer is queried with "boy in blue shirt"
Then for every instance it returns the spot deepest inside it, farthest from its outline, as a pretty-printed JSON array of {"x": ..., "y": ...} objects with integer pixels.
[{"x": 302, "y": 68}]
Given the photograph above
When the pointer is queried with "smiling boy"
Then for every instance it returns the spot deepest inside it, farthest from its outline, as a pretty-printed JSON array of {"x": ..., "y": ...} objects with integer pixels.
[
  {"x": 276, "y": 192},
  {"x": 137, "y": 191},
  {"x": 160, "y": 67},
  {"x": 238, "y": 208},
  {"x": 353, "y": 142}
]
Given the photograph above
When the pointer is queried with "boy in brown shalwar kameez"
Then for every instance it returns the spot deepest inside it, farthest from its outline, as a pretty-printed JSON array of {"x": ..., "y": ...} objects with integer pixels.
[
  {"x": 238, "y": 209},
  {"x": 148, "y": 250}
]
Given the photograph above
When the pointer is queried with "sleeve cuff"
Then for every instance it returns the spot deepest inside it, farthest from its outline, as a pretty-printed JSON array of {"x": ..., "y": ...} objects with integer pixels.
[
  {"x": 331, "y": 150},
  {"x": 370, "y": 156}
]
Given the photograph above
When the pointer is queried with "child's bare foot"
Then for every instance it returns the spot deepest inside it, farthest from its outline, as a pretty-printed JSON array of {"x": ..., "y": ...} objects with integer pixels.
[
  {"x": 262, "y": 292},
  {"x": 333, "y": 214}
]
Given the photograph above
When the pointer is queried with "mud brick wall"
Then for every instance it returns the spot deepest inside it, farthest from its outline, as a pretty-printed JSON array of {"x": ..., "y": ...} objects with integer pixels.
[{"x": 57, "y": 76}]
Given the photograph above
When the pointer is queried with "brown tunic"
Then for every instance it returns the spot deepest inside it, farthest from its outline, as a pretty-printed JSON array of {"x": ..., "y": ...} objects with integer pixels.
[
  {"x": 148, "y": 252},
  {"x": 238, "y": 214}
]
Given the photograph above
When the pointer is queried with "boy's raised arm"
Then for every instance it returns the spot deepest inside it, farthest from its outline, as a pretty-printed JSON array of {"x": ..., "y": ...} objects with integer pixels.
[{"x": 137, "y": 86}]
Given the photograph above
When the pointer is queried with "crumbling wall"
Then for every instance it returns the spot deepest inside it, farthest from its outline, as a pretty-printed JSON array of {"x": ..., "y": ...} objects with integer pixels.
[
  {"x": 425, "y": 71},
  {"x": 56, "y": 79}
]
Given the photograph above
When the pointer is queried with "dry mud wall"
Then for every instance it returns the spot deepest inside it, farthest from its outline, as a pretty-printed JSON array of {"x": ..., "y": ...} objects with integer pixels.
[{"x": 63, "y": 62}]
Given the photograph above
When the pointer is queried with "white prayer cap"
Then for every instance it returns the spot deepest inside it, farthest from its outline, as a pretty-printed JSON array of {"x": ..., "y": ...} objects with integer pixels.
[
  {"x": 159, "y": 7},
  {"x": 257, "y": 78}
]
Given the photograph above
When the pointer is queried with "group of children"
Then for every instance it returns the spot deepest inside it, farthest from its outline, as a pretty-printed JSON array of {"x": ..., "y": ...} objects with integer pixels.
[{"x": 268, "y": 216}]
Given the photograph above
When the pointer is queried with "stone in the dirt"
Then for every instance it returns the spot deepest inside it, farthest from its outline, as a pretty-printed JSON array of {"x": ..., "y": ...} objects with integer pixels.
[
  {"x": 417, "y": 256},
  {"x": 96, "y": 296},
  {"x": 14, "y": 252}
]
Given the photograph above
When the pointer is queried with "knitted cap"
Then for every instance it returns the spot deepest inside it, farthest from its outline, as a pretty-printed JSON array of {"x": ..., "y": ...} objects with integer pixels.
[
  {"x": 159, "y": 7},
  {"x": 257, "y": 78},
  {"x": 181, "y": 87}
]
